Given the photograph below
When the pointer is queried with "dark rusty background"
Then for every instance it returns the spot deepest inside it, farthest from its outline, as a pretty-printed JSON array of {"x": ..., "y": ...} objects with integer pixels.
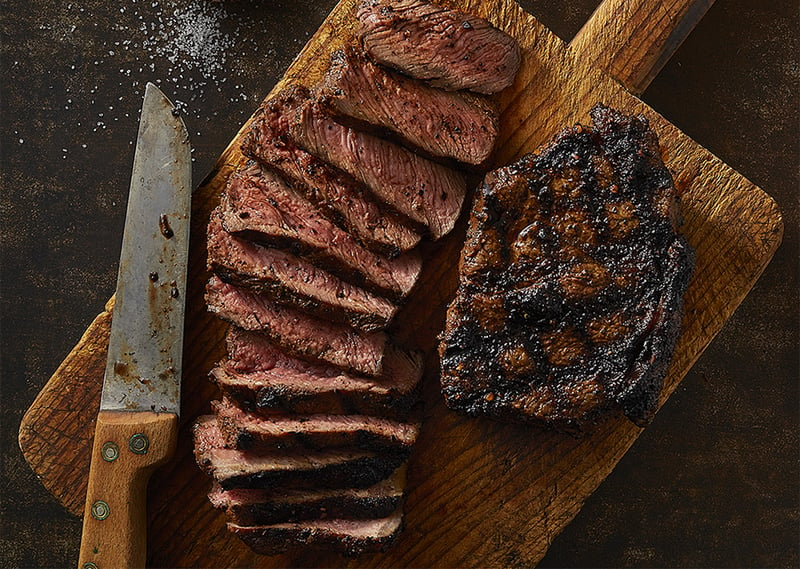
[{"x": 714, "y": 480}]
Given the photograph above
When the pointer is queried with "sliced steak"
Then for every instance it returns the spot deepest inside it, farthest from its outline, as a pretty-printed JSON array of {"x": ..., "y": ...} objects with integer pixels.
[
  {"x": 260, "y": 206},
  {"x": 339, "y": 196},
  {"x": 246, "y": 430},
  {"x": 451, "y": 49},
  {"x": 291, "y": 280},
  {"x": 349, "y": 537},
  {"x": 260, "y": 377},
  {"x": 250, "y": 507},
  {"x": 426, "y": 192},
  {"x": 295, "y": 331},
  {"x": 337, "y": 468},
  {"x": 442, "y": 124},
  {"x": 572, "y": 281}
]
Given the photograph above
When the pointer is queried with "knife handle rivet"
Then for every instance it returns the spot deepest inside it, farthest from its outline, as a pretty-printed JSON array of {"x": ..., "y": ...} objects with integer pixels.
[
  {"x": 89, "y": 565},
  {"x": 138, "y": 443},
  {"x": 100, "y": 510},
  {"x": 110, "y": 451}
]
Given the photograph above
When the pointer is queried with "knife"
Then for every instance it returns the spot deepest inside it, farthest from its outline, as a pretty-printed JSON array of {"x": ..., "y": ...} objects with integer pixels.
[{"x": 137, "y": 424}]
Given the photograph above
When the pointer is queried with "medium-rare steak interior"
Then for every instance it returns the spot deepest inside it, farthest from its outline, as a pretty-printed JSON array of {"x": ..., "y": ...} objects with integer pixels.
[
  {"x": 298, "y": 333},
  {"x": 262, "y": 377},
  {"x": 259, "y": 205},
  {"x": 346, "y": 536},
  {"x": 451, "y": 49},
  {"x": 453, "y": 125},
  {"x": 290, "y": 280},
  {"x": 571, "y": 282},
  {"x": 313, "y": 250},
  {"x": 248, "y": 430},
  {"x": 426, "y": 192},
  {"x": 338, "y": 196}
]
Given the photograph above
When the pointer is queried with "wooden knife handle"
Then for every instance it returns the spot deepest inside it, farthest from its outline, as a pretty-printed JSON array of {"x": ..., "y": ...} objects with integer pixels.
[
  {"x": 128, "y": 446},
  {"x": 633, "y": 39}
]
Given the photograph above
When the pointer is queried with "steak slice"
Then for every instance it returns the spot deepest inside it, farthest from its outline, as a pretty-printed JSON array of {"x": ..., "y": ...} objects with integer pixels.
[
  {"x": 260, "y": 377},
  {"x": 246, "y": 430},
  {"x": 424, "y": 191},
  {"x": 337, "y": 468},
  {"x": 297, "y": 332},
  {"x": 251, "y": 507},
  {"x": 451, "y": 49},
  {"x": 291, "y": 280},
  {"x": 260, "y": 206},
  {"x": 571, "y": 282},
  {"x": 348, "y": 537},
  {"x": 452, "y": 125},
  {"x": 337, "y": 195}
]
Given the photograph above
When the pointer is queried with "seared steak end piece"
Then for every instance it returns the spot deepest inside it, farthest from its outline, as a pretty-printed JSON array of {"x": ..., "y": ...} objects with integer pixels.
[
  {"x": 451, "y": 49},
  {"x": 446, "y": 125},
  {"x": 571, "y": 282},
  {"x": 349, "y": 537}
]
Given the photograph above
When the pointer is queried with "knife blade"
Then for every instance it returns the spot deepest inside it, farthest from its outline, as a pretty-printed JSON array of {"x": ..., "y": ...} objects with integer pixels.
[{"x": 137, "y": 423}]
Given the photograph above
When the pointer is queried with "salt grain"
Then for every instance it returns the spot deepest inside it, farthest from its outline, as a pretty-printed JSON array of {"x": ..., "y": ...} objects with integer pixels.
[{"x": 187, "y": 43}]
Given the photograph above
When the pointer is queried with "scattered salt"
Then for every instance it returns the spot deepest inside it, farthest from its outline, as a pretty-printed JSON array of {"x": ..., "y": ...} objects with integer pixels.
[{"x": 181, "y": 45}]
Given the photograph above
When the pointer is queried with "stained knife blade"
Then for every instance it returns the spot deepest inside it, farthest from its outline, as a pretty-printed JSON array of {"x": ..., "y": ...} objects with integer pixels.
[{"x": 137, "y": 422}]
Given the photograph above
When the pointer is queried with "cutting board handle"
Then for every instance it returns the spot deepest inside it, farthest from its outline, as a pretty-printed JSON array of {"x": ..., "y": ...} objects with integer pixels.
[{"x": 633, "y": 39}]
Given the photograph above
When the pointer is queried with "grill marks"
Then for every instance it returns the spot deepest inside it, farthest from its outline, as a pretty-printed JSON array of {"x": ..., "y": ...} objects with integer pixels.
[
  {"x": 578, "y": 250},
  {"x": 313, "y": 251}
]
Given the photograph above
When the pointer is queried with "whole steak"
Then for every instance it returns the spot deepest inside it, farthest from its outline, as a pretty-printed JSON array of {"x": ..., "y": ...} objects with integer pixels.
[{"x": 571, "y": 282}]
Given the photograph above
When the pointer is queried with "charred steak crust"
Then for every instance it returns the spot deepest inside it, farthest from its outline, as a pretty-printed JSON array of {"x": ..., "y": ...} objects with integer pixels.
[
  {"x": 571, "y": 282},
  {"x": 336, "y": 468},
  {"x": 253, "y": 507},
  {"x": 451, "y": 49},
  {"x": 351, "y": 538}
]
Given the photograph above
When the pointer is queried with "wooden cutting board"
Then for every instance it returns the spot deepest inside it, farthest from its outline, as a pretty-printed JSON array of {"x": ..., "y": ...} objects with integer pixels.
[{"x": 480, "y": 493}]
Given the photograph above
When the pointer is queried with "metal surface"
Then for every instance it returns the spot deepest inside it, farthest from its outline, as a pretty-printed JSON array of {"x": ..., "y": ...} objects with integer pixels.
[{"x": 143, "y": 370}]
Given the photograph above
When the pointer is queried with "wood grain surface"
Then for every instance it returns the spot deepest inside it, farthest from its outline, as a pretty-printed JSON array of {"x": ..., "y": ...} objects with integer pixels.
[
  {"x": 115, "y": 517},
  {"x": 480, "y": 493}
]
